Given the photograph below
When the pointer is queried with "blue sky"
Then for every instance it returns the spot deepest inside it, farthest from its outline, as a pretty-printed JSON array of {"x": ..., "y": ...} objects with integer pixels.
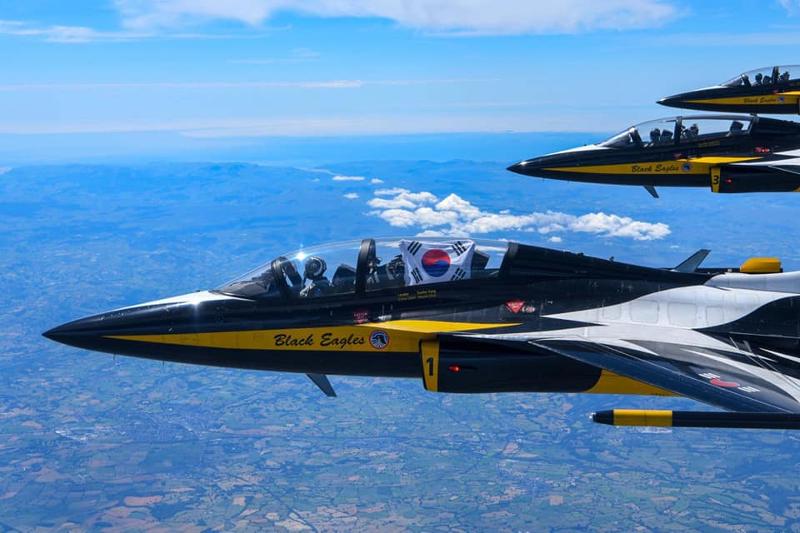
[{"x": 206, "y": 69}]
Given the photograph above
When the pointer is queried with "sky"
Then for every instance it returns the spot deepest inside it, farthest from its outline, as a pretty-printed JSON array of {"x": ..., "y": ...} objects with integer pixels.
[{"x": 206, "y": 71}]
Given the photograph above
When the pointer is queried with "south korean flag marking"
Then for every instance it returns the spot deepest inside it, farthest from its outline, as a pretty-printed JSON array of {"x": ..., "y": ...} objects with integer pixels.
[
  {"x": 436, "y": 262},
  {"x": 459, "y": 248},
  {"x": 717, "y": 381}
]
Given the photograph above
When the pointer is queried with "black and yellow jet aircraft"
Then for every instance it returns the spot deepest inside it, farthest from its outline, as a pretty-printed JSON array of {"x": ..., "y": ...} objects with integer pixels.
[
  {"x": 765, "y": 90},
  {"x": 469, "y": 316},
  {"x": 727, "y": 153}
]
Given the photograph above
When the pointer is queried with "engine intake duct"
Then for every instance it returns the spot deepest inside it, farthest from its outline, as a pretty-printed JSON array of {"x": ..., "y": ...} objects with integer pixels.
[
  {"x": 752, "y": 179},
  {"x": 470, "y": 366}
]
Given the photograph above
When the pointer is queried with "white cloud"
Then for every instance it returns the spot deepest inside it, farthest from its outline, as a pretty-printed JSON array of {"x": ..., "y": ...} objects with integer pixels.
[
  {"x": 430, "y": 233},
  {"x": 403, "y": 198},
  {"x": 399, "y": 218},
  {"x": 65, "y": 34},
  {"x": 60, "y": 33},
  {"x": 617, "y": 226},
  {"x": 351, "y": 195},
  {"x": 449, "y": 17},
  {"x": 391, "y": 203},
  {"x": 458, "y": 204},
  {"x": 376, "y": 181},
  {"x": 390, "y": 192},
  {"x": 348, "y": 178},
  {"x": 456, "y": 216}
]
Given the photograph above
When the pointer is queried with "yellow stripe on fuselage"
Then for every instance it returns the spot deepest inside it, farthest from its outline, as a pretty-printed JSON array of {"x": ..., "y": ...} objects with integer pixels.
[
  {"x": 699, "y": 165},
  {"x": 718, "y": 159},
  {"x": 765, "y": 99},
  {"x": 402, "y": 336}
]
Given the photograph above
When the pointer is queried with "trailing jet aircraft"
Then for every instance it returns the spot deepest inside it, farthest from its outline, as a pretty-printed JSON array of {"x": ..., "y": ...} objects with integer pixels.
[
  {"x": 472, "y": 316},
  {"x": 727, "y": 153},
  {"x": 764, "y": 90}
]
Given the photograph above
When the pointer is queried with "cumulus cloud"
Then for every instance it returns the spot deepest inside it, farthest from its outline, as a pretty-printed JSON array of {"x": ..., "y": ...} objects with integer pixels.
[
  {"x": 390, "y": 192},
  {"x": 454, "y": 215},
  {"x": 351, "y": 195},
  {"x": 400, "y": 198},
  {"x": 348, "y": 178},
  {"x": 376, "y": 181},
  {"x": 459, "y": 17}
]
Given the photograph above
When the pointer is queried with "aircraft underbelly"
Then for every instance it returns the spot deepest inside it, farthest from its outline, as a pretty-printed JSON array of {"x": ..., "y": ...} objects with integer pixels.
[{"x": 659, "y": 180}]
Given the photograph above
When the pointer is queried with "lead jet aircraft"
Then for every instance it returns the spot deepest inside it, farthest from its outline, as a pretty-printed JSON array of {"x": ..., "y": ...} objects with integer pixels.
[
  {"x": 473, "y": 316},
  {"x": 764, "y": 90},
  {"x": 727, "y": 153}
]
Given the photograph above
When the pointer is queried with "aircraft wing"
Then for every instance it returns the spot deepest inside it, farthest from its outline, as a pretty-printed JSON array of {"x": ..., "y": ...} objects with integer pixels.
[
  {"x": 791, "y": 169},
  {"x": 736, "y": 381}
]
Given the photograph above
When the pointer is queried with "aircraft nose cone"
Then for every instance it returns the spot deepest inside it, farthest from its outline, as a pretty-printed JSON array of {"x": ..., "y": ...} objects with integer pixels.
[
  {"x": 671, "y": 101},
  {"x": 54, "y": 334},
  {"x": 94, "y": 332},
  {"x": 81, "y": 333},
  {"x": 517, "y": 167}
]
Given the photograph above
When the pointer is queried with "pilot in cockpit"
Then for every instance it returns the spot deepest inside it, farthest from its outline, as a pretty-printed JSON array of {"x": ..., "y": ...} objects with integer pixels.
[
  {"x": 655, "y": 136},
  {"x": 316, "y": 284},
  {"x": 759, "y": 79},
  {"x": 386, "y": 275}
]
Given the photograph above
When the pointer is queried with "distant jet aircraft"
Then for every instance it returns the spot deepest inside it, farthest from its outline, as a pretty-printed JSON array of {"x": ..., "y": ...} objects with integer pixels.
[
  {"x": 472, "y": 316},
  {"x": 726, "y": 153},
  {"x": 765, "y": 90}
]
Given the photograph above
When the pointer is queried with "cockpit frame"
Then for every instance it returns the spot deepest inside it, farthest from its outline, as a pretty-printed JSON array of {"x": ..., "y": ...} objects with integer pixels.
[
  {"x": 281, "y": 279},
  {"x": 678, "y": 133},
  {"x": 777, "y": 76}
]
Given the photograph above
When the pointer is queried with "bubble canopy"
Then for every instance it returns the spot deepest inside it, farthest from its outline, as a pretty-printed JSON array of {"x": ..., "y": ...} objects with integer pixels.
[
  {"x": 774, "y": 75},
  {"x": 676, "y": 130},
  {"x": 356, "y": 267}
]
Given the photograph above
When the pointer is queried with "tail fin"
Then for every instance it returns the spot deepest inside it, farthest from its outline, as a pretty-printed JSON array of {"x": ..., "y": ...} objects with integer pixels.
[{"x": 691, "y": 263}]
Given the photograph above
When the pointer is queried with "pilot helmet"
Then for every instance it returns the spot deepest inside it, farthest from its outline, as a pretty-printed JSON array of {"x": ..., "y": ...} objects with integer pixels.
[{"x": 315, "y": 267}]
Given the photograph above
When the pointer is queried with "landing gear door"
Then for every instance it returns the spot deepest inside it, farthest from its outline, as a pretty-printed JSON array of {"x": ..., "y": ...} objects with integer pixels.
[
  {"x": 716, "y": 177},
  {"x": 429, "y": 357}
]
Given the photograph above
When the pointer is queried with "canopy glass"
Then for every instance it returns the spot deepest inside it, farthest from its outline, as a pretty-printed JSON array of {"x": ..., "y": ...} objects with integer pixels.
[{"x": 368, "y": 265}]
